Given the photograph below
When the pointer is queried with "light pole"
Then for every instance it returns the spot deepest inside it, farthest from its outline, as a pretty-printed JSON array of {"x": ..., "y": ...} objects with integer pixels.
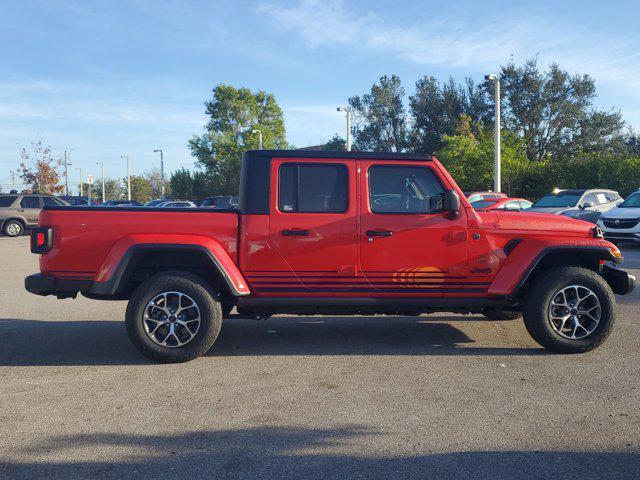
[
  {"x": 102, "y": 172},
  {"x": 66, "y": 173},
  {"x": 348, "y": 111},
  {"x": 259, "y": 138},
  {"x": 161, "y": 172},
  {"x": 128, "y": 177},
  {"x": 496, "y": 143},
  {"x": 79, "y": 169}
]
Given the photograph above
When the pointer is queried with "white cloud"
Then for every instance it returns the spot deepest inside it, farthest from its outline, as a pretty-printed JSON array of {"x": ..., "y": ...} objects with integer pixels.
[{"x": 479, "y": 44}]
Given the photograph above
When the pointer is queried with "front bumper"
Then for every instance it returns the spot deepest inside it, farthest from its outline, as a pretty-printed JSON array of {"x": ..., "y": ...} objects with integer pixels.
[
  {"x": 61, "y": 287},
  {"x": 620, "y": 281}
]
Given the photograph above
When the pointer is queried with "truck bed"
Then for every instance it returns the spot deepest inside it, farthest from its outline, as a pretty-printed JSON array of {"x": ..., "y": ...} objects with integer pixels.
[{"x": 84, "y": 237}]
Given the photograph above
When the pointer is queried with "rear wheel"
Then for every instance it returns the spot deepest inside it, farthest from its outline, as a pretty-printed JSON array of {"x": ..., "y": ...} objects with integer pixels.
[
  {"x": 569, "y": 310},
  {"x": 173, "y": 317},
  {"x": 13, "y": 228}
]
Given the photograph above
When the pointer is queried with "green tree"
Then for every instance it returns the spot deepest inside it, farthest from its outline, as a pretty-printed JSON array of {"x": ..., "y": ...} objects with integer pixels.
[
  {"x": 113, "y": 189},
  {"x": 335, "y": 143},
  {"x": 380, "y": 118},
  {"x": 437, "y": 110},
  {"x": 140, "y": 188},
  {"x": 181, "y": 184},
  {"x": 469, "y": 158},
  {"x": 553, "y": 112},
  {"x": 233, "y": 114}
]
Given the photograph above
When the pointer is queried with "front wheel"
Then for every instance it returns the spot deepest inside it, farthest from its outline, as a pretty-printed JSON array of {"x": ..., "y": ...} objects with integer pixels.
[
  {"x": 173, "y": 317},
  {"x": 569, "y": 310}
]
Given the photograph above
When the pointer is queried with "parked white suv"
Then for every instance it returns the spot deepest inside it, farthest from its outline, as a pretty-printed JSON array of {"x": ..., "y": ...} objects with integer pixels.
[{"x": 623, "y": 222}]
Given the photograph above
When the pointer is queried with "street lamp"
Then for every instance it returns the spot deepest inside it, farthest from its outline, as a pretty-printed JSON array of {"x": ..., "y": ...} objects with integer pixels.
[
  {"x": 161, "y": 172},
  {"x": 128, "y": 177},
  {"x": 79, "y": 169},
  {"x": 348, "y": 111},
  {"x": 102, "y": 171},
  {"x": 496, "y": 143},
  {"x": 259, "y": 138}
]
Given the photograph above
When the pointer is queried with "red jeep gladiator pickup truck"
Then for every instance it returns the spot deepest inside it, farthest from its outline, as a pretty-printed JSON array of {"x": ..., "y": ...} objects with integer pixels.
[{"x": 335, "y": 233}]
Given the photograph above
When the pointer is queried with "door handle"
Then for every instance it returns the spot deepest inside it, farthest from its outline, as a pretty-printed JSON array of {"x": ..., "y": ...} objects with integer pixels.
[
  {"x": 379, "y": 233},
  {"x": 295, "y": 232}
]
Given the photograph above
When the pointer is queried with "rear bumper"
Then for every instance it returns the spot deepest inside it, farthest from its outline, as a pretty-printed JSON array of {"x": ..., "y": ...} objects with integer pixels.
[
  {"x": 61, "y": 287},
  {"x": 620, "y": 281}
]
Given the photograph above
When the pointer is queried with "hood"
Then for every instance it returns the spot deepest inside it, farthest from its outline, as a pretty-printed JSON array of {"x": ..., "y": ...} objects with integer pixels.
[
  {"x": 622, "y": 213},
  {"x": 556, "y": 210},
  {"x": 542, "y": 222}
]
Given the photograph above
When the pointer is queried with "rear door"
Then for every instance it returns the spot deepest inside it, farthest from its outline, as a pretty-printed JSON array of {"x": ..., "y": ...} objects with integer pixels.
[
  {"x": 30, "y": 207},
  {"x": 407, "y": 243},
  {"x": 312, "y": 225}
]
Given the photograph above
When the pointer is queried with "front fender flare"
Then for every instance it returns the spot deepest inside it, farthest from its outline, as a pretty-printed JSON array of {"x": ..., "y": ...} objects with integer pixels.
[
  {"x": 111, "y": 272},
  {"x": 527, "y": 255}
]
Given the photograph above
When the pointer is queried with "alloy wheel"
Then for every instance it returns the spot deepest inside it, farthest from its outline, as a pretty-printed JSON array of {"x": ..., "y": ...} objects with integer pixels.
[
  {"x": 171, "y": 319},
  {"x": 574, "y": 312}
]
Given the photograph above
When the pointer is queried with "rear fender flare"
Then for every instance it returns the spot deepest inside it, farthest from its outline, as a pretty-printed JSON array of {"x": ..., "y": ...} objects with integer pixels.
[{"x": 110, "y": 275}]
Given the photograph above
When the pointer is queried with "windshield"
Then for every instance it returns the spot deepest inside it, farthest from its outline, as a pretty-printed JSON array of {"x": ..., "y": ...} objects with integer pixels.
[
  {"x": 631, "y": 202},
  {"x": 558, "y": 200},
  {"x": 483, "y": 204}
]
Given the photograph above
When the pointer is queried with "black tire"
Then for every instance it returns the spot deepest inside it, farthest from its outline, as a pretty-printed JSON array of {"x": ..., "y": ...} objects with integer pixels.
[
  {"x": 13, "y": 228},
  {"x": 495, "y": 314},
  {"x": 205, "y": 299},
  {"x": 542, "y": 291}
]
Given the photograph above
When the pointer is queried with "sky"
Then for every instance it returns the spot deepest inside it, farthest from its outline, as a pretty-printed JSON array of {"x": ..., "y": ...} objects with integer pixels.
[{"x": 102, "y": 79}]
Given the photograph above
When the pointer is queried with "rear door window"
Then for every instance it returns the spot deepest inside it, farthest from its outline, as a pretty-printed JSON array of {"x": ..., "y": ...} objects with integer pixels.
[
  {"x": 312, "y": 188},
  {"x": 404, "y": 189},
  {"x": 51, "y": 201},
  {"x": 7, "y": 200},
  {"x": 30, "y": 202}
]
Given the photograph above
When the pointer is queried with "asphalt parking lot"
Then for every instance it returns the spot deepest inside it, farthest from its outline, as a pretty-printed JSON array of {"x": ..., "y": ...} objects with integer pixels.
[{"x": 436, "y": 396}]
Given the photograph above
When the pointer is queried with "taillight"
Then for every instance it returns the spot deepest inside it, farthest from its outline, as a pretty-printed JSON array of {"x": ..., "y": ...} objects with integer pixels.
[{"x": 41, "y": 239}]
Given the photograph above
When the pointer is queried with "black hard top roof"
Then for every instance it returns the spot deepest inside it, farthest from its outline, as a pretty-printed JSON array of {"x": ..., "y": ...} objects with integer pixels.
[{"x": 354, "y": 154}]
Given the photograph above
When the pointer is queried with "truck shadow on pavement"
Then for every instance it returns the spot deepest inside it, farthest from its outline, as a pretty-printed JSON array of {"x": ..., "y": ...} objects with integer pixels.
[
  {"x": 34, "y": 342},
  {"x": 294, "y": 453}
]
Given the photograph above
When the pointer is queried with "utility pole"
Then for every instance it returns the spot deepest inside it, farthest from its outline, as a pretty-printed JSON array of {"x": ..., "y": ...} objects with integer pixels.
[
  {"x": 348, "y": 112},
  {"x": 128, "y": 177},
  {"x": 102, "y": 171},
  {"x": 66, "y": 173},
  {"x": 496, "y": 143},
  {"x": 161, "y": 172},
  {"x": 13, "y": 180},
  {"x": 259, "y": 138},
  {"x": 80, "y": 171}
]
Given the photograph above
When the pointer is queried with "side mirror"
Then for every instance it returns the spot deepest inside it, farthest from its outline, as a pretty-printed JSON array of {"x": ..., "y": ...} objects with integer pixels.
[
  {"x": 587, "y": 205},
  {"x": 451, "y": 203}
]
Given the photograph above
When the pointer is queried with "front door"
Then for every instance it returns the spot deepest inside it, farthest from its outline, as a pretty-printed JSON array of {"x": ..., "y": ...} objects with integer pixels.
[
  {"x": 408, "y": 245},
  {"x": 312, "y": 225}
]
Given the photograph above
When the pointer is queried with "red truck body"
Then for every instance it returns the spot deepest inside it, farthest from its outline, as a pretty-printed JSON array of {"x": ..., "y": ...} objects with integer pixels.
[{"x": 364, "y": 248}]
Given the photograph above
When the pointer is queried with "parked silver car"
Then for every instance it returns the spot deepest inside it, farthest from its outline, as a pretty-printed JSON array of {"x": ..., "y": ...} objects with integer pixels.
[{"x": 577, "y": 203}]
